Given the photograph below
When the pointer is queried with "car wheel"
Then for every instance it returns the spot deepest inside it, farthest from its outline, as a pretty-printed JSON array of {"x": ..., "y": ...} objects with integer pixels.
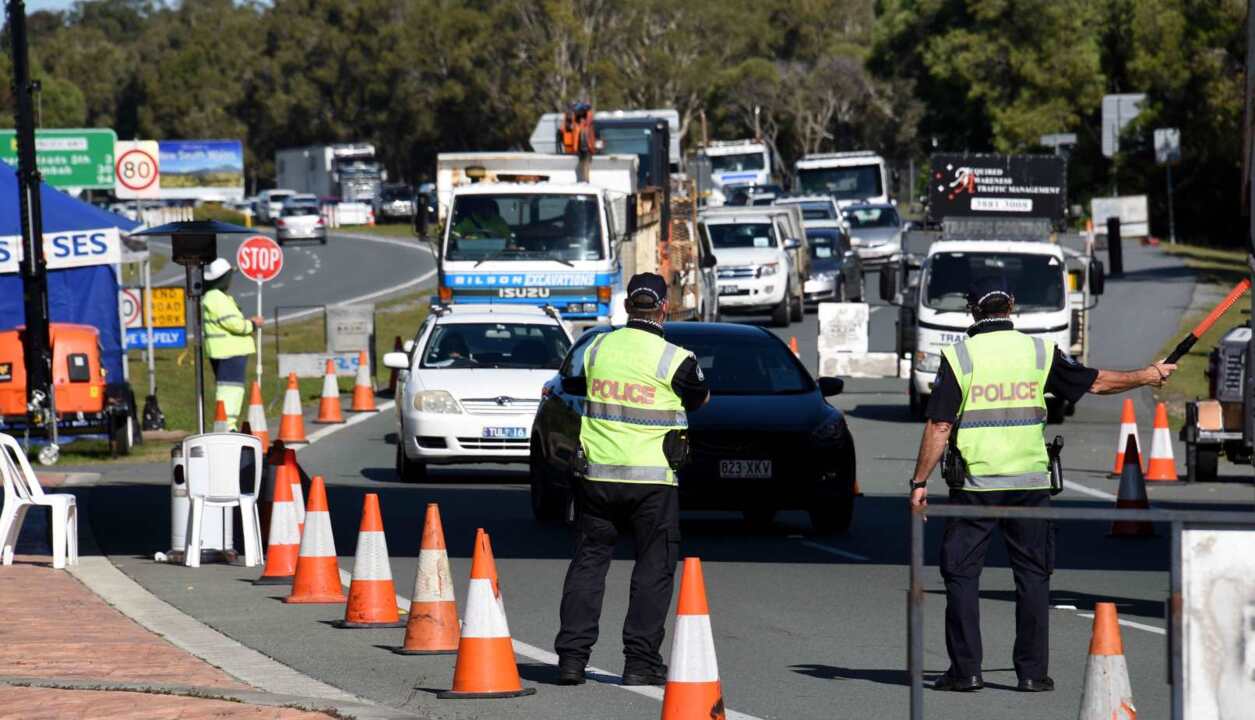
[
  {"x": 798, "y": 309},
  {"x": 322, "y": 240},
  {"x": 839, "y": 294},
  {"x": 780, "y": 315},
  {"x": 547, "y": 505},
  {"x": 832, "y": 509},
  {"x": 916, "y": 402},
  {"x": 409, "y": 471}
]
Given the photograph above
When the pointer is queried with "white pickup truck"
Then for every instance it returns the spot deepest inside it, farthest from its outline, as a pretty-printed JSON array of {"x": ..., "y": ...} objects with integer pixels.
[{"x": 763, "y": 259}]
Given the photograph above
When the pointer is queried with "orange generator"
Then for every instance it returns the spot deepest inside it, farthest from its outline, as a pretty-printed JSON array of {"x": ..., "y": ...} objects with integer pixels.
[{"x": 79, "y": 386}]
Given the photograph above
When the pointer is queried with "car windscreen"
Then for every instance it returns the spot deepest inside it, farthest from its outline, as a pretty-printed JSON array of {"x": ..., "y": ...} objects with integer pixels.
[
  {"x": 871, "y": 217},
  {"x": 824, "y": 244},
  {"x": 390, "y": 194},
  {"x": 525, "y": 227},
  {"x": 1036, "y": 281},
  {"x": 737, "y": 163},
  {"x": 741, "y": 235},
  {"x": 817, "y": 211},
  {"x": 495, "y": 345},
  {"x": 299, "y": 210},
  {"x": 843, "y": 183}
]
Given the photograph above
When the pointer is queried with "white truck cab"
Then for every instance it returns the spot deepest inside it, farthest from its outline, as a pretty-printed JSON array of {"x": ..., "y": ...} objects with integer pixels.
[
  {"x": 849, "y": 177},
  {"x": 738, "y": 162}
]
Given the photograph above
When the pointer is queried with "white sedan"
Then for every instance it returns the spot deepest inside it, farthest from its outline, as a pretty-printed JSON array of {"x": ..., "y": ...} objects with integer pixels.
[{"x": 470, "y": 384}]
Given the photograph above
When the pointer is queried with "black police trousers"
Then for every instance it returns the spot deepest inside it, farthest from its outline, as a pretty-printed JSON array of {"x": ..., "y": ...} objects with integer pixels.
[
  {"x": 1031, "y": 552},
  {"x": 651, "y": 514}
]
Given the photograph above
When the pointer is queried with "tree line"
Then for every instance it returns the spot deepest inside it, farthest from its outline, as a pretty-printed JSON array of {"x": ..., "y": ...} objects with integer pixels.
[{"x": 902, "y": 77}]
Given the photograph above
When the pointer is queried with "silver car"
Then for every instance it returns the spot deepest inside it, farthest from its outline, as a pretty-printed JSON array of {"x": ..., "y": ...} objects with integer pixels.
[{"x": 300, "y": 222}]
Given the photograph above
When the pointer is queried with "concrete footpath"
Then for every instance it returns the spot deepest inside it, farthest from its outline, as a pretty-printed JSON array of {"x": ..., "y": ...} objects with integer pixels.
[{"x": 68, "y": 654}]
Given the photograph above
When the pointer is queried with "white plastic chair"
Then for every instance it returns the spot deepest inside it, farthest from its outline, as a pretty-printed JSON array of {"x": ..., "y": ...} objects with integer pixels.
[
  {"x": 23, "y": 491},
  {"x": 213, "y": 480}
]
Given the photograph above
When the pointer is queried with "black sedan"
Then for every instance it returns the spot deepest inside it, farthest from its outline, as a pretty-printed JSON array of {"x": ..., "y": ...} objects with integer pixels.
[{"x": 766, "y": 441}]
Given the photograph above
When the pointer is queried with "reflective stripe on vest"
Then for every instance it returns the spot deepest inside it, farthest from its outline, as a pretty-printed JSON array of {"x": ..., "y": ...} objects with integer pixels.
[
  {"x": 630, "y": 407},
  {"x": 1002, "y": 375}
]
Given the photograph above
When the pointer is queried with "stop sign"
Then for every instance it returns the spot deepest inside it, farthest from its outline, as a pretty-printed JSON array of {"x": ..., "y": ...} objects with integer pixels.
[{"x": 259, "y": 258}]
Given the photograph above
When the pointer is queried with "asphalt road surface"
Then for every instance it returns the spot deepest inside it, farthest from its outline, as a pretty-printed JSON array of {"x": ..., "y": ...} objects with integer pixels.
[{"x": 805, "y": 627}]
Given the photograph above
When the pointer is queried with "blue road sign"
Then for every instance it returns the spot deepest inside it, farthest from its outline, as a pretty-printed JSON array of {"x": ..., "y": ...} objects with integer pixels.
[{"x": 162, "y": 338}]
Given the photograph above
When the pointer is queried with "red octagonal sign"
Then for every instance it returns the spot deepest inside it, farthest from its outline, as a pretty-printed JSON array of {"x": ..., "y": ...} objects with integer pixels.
[{"x": 259, "y": 258}]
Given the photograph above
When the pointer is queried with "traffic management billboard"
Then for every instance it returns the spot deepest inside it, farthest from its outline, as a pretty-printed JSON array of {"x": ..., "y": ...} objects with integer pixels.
[
  {"x": 1019, "y": 186},
  {"x": 81, "y": 158},
  {"x": 202, "y": 170}
]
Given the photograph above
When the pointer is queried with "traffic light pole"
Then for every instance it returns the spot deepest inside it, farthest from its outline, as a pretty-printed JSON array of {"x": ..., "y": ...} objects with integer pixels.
[{"x": 36, "y": 340}]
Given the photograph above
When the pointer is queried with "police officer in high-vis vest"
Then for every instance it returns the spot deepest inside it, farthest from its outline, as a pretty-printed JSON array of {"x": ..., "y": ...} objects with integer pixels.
[
  {"x": 228, "y": 338},
  {"x": 637, "y": 389},
  {"x": 989, "y": 406}
]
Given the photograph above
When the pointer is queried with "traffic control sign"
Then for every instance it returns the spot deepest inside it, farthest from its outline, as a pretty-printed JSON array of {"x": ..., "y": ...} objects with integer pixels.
[
  {"x": 259, "y": 258},
  {"x": 131, "y": 307},
  {"x": 136, "y": 170}
]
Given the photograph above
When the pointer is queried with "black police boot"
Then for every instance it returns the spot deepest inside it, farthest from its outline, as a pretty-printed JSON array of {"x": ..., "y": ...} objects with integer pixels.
[
  {"x": 1044, "y": 684},
  {"x": 570, "y": 672},
  {"x": 645, "y": 676},
  {"x": 951, "y": 683}
]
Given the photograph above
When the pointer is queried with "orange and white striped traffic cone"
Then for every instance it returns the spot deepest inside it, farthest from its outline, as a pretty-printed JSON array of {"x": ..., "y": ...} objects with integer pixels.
[
  {"x": 285, "y": 538},
  {"x": 289, "y": 473},
  {"x": 1107, "y": 693},
  {"x": 317, "y": 577},
  {"x": 693, "y": 689},
  {"x": 221, "y": 424},
  {"x": 433, "y": 625},
  {"x": 486, "y": 667},
  {"x": 329, "y": 403},
  {"x": 257, "y": 417},
  {"x": 292, "y": 423},
  {"x": 1128, "y": 428},
  {"x": 372, "y": 596},
  {"x": 793, "y": 346},
  {"x": 1162, "y": 466},
  {"x": 363, "y": 387}
]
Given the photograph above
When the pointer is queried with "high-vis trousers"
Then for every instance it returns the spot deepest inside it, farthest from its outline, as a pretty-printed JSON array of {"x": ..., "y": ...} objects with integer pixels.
[
  {"x": 1031, "y": 552},
  {"x": 229, "y": 385},
  {"x": 651, "y": 514}
]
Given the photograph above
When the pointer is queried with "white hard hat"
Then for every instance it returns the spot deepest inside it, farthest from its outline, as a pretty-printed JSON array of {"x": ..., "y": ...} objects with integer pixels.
[{"x": 217, "y": 269}]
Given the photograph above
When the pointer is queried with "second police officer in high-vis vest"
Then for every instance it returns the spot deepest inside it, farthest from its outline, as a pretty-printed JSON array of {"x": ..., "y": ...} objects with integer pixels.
[
  {"x": 228, "y": 338},
  {"x": 638, "y": 388},
  {"x": 989, "y": 406}
]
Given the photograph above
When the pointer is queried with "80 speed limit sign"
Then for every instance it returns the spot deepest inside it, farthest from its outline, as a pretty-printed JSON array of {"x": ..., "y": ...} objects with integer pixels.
[{"x": 136, "y": 169}]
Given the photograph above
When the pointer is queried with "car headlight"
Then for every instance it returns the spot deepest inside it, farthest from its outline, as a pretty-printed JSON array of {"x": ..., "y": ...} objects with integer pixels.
[
  {"x": 768, "y": 269},
  {"x": 830, "y": 433},
  {"x": 436, "y": 401},
  {"x": 927, "y": 362},
  {"x": 824, "y": 275}
]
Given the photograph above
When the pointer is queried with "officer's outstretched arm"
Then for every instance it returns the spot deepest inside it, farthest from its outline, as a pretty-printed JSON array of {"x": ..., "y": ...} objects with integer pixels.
[{"x": 1110, "y": 382}]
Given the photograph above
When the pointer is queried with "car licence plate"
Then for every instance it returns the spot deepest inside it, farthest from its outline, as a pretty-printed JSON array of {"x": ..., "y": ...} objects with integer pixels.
[
  {"x": 745, "y": 469},
  {"x": 510, "y": 433},
  {"x": 729, "y": 289}
]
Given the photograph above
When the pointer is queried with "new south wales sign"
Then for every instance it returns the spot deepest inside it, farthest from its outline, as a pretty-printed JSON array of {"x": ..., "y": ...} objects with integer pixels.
[{"x": 68, "y": 158}]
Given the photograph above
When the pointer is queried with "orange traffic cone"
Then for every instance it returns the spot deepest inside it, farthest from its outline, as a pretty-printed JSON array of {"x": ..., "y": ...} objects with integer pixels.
[
  {"x": 257, "y": 417},
  {"x": 317, "y": 577},
  {"x": 1162, "y": 466},
  {"x": 273, "y": 461},
  {"x": 1128, "y": 427},
  {"x": 220, "y": 418},
  {"x": 793, "y": 346},
  {"x": 329, "y": 404},
  {"x": 292, "y": 423},
  {"x": 363, "y": 387},
  {"x": 486, "y": 666},
  {"x": 693, "y": 690},
  {"x": 433, "y": 625},
  {"x": 372, "y": 596},
  {"x": 1132, "y": 495},
  {"x": 290, "y": 473},
  {"x": 397, "y": 346},
  {"x": 1106, "y": 694},
  {"x": 285, "y": 538}
]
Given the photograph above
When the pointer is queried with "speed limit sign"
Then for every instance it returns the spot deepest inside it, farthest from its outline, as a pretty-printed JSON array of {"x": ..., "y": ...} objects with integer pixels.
[{"x": 136, "y": 169}]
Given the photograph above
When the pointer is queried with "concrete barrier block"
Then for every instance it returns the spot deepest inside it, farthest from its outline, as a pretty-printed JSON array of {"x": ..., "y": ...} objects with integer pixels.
[
  {"x": 859, "y": 365},
  {"x": 843, "y": 327}
]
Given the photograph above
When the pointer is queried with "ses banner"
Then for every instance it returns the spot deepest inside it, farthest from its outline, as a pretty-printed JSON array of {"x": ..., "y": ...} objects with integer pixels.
[
  {"x": 66, "y": 249},
  {"x": 202, "y": 169}
]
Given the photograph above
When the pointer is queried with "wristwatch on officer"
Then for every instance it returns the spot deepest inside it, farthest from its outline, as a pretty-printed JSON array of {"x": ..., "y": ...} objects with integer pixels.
[{"x": 918, "y": 485}]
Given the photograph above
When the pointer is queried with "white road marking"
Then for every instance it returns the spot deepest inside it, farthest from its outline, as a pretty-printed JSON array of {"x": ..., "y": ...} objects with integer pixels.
[
  {"x": 1086, "y": 490},
  {"x": 1130, "y": 623},
  {"x": 277, "y": 285},
  {"x": 356, "y": 418},
  {"x": 835, "y": 551},
  {"x": 532, "y": 652}
]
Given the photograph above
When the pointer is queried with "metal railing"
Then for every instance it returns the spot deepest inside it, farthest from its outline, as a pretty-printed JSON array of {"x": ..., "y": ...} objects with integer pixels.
[{"x": 1177, "y": 519}]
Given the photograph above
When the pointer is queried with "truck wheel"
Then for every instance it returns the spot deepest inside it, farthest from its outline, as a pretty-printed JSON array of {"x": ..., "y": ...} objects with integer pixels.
[
  {"x": 780, "y": 315},
  {"x": 1201, "y": 462},
  {"x": 797, "y": 311},
  {"x": 409, "y": 471},
  {"x": 1054, "y": 411}
]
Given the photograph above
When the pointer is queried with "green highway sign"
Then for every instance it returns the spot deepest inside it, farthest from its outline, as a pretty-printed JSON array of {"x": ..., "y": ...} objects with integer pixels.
[{"x": 68, "y": 158}]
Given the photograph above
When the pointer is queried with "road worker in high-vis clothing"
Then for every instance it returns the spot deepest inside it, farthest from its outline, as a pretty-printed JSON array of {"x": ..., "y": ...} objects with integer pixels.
[
  {"x": 228, "y": 338},
  {"x": 638, "y": 389},
  {"x": 989, "y": 406}
]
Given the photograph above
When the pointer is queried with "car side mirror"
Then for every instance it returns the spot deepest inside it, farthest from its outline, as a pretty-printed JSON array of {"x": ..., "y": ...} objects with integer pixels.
[
  {"x": 888, "y": 283},
  {"x": 709, "y": 261},
  {"x": 396, "y": 361},
  {"x": 792, "y": 244},
  {"x": 830, "y": 386},
  {"x": 1097, "y": 277}
]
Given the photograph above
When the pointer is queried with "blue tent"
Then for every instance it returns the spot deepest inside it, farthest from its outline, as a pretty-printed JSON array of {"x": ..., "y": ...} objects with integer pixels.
[{"x": 86, "y": 295}]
